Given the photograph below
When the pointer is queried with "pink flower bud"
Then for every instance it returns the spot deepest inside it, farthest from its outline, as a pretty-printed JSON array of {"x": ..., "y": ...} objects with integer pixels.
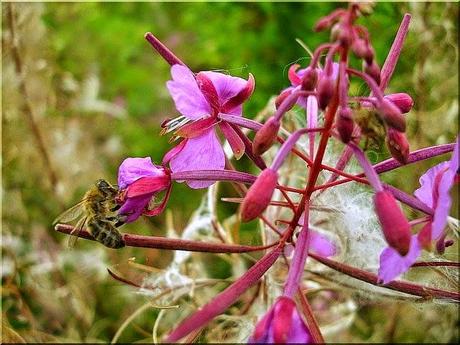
[
  {"x": 265, "y": 136},
  {"x": 259, "y": 195},
  {"x": 392, "y": 116},
  {"x": 325, "y": 91},
  {"x": 345, "y": 36},
  {"x": 359, "y": 48},
  {"x": 281, "y": 97},
  {"x": 395, "y": 226},
  {"x": 398, "y": 145},
  {"x": 345, "y": 124},
  {"x": 402, "y": 100},
  {"x": 282, "y": 324},
  {"x": 369, "y": 54},
  {"x": 309, "y": 79},
  {"x": 373, "y": 70}
]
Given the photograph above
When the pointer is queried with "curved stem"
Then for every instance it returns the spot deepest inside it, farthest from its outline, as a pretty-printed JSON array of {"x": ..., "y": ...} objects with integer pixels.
[{"x": 132, "y": 240}]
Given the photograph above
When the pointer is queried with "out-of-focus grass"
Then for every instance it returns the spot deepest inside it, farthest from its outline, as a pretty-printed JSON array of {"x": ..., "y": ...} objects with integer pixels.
[{"x": 98, "y": 95}]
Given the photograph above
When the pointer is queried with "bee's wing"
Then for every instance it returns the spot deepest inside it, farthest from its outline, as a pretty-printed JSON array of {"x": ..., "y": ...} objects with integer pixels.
[
  {"x": 71, "y": 214},
  {"x": 74, "y": 234}
]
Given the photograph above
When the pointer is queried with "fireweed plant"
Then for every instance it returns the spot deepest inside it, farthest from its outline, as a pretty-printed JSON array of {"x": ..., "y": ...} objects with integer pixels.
[{"x": 290, "y": 198}]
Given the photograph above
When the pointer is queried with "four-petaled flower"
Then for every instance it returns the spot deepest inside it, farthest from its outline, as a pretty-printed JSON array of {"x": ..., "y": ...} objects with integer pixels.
[
  {"x": 139, "y": 180},
  {"x": 281, "y": 325},
  {"x": 434, "y": 192},
  {"x": 200, "y": 98}
]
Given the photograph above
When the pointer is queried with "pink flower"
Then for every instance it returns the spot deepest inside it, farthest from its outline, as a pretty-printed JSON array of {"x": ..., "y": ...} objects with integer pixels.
[
  {"x": 434, "y": 192},
  {"x": 139, "y": 180},
  {"x": 281, "y": 324},
  {"x": 200, "y": 98}
]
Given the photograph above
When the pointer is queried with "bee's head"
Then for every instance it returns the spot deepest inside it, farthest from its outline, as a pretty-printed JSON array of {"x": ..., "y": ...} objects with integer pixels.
[{"x": 105, "y": 187}]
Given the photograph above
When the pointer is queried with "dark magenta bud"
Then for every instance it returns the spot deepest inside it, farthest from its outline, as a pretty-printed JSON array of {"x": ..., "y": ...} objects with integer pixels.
[
  {"x": 395, "y": 226},
  {"x": 345, "y": 124},
  {"x": 373, "y": 70},
  {"x": 281, "y": 97},
  {"x": 398, "y": 145},
  {"x": 310, "y": 79},
  {"x": 325, "y": 90},
  {"x": 259, "y": 195},
  {"x": 369, "y": 53},
  {"x": 345, "y": 36},
  {"x": 391, "y": 115},
  {"x": 359, "y": 48},
  {"x": 402, "y": 100},
  {"x": 265, "y": 136}
]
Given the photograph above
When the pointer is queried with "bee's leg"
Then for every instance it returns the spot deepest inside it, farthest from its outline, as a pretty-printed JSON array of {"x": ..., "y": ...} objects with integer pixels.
[
  {"x": 115, "y": 208},
  {"x": 120, "y": 220}
]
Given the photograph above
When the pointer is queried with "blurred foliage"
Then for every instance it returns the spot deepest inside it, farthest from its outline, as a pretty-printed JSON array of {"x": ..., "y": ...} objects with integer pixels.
[{"x": 97, "y": 94}]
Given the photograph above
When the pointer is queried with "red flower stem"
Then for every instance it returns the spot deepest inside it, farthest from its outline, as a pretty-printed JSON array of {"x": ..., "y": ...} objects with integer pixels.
[
  {"x": 310, "y": 318},
  {"x": 436, "y": 264},
  {"x": 395, "y": 50},
  {"x": 226, "y": 298},
  {"x": 401, "y": 286},
  {"x": 163, "y": 50},
  {"x": 344, "y": 174},
  {"x": 155, "y": 242}
]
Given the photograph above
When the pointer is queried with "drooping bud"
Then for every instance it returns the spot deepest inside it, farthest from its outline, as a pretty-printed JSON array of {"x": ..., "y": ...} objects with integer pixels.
[
  {"x": 398, "y": 145},
  {"x": 328, "y": 20},
  {"x": 345, "y": 124},
  {"x": 345, "y": 35},
  {"x": 282, "y": 324},
  {"x": 281, "y": 97},
  {"x": 325, "y": 90},
  {"x": 402, "y": 100},
  {"x": 369, "y": 53},
  {"x": 309, "y": 79},
  {"x": 259, "y": 195},
  {"x": 265, "y": 136},
  {"x": 373, "y": 70},
  {"x": 395, "y": 226},
  {"x": 391, "y": 115},
  {"x": 359, "y": 48}
]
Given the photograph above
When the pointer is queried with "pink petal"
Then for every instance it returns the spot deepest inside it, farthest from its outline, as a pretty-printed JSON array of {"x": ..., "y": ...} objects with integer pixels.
[
  {"x": 186, "y": 94},
  {"x": 427, "y": 184},
  {"x": 200, "y": 153},
  {"x": 226, "y": 85},
  {"x": 240, "y": 97},
  {"x": 148, "y": 186},
  {"x": 392, "y": 264},
  {"x": 292, "y": 75},
  {"x": 233, "y": 139},
  {"x": 133, "y": 207},
  {"x": 133, "y": 169},
  {"x": 321, "y": 245}
]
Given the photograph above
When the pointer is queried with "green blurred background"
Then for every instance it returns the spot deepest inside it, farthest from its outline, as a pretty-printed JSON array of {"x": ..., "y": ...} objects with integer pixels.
[{"x": 97, "y": 94}]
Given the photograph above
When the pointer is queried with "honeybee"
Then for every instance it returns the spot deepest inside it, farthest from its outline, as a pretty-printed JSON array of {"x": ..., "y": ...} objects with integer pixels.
[
  {"x": 95, "y": 212},
  {"x": 372, "y": 127}
]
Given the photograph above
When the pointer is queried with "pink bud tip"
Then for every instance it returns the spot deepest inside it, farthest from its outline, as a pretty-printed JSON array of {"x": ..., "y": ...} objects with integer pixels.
[
  {"x": 259, "y": 195},
  {"x": 395, "y": 226},
  {"x": 281, "y": 97},
  {"x": 325, "y": 91},
  {"x": 359, "y": 48},
  {"x": 345, "y": 124},
  {"x": 402, "y": 100},
  {"x": 265, "y": 136},
  {"x": 392, "y": 116},
  {"x": 424, "y": 237},
  {"x": 309, "y": 79},
  {"x": 398, "y": 145},
  {"x": 373, "y": 70}
]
